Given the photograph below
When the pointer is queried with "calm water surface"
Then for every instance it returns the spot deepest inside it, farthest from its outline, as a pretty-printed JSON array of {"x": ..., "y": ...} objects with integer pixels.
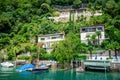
[{"x": 6, "y": 74}]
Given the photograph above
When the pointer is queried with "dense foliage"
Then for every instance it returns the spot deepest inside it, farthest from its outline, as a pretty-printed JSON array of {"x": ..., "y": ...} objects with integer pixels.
[{"x": 23, "y": 20}]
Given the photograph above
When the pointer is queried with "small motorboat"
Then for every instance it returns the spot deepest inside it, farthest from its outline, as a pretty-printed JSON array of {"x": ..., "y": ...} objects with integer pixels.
[
  {"x": 26, "y": 67},
  {"x": 7, "y": 64},
  {"x": 45, "y": 65},
  {"x": 39, "y": 69},
  {"x": 79, "y": 69}
]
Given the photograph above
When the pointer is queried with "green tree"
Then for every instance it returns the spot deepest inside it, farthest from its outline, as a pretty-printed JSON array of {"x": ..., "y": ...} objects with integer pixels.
[
  {"x": 98, "y": 33},
  {"x": 90, "y": 48},
  {"x": 76, "y": 3},
  {"x": 115, "y": 45},
  {"x": 88, "y": 39},
  {"x": 93, "y": 39},
  {"x": 109, "y": 47},
  {"x": 45, "y": 8}
]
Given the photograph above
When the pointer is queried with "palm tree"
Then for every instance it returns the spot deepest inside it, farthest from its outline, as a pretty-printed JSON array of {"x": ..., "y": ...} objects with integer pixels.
[
  {"x": 115, "y": 45},
  {"x": 88, "y": 39},
  {"x": 93, "y": 38},
  {"x": 98, "y": 33},
  {"x": 90, "y": 48},
  {"x": 109, "y": 47},
  {"x": 39, "y": 45}
]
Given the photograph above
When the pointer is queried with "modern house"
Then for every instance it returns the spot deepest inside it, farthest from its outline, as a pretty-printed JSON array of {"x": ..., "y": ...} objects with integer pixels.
[
  {"x": 50, "y": 39},
  {"x": 64, "y": 13},
  {"x": 84, "y": 31}
]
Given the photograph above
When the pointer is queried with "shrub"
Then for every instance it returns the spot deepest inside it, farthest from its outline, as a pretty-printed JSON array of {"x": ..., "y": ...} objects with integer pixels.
[
  {"x": 82, "y": 57},
  {"x": 24, "y": 57}
]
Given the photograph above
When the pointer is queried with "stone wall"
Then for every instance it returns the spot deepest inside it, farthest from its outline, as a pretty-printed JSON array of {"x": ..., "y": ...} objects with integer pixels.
[{"x": 115, "y": 66}]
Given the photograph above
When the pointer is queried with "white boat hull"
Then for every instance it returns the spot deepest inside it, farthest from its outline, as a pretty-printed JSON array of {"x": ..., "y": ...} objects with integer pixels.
[{"x": 7, "y": 64}]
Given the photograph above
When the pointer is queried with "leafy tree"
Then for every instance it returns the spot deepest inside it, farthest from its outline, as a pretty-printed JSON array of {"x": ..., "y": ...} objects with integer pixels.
[
  {"x": 109, "y": 47},
  {"x": 90, "y": 48},
  {"x": 98, "y": 33},
  {"x": 93, "y": 39},
  {"x": 76, "y": 3},
  {"x": 88, "y": 39},
  {"x": 45, "y": 8},
  {"x": 115, "y": 45},
  {"x": 66, "y": 50}
]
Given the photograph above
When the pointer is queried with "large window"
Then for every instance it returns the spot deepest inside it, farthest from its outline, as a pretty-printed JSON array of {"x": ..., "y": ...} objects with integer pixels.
[{"x": 92, "y": 29}]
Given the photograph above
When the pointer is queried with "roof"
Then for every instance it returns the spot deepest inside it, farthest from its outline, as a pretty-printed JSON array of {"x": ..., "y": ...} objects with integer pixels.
[
  {"x": 94, "y": 26},
  {"x": 46, "y": 35}
]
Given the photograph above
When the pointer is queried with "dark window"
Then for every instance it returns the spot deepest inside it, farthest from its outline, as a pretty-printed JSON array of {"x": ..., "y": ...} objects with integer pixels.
[
  {"x": 83, "y": 30},
  {"x": 42, "y": 38},
  {"x": 93, "y": 29},
  {"x": 100, "y": 28},
  {"x": 53, "y": 37}
]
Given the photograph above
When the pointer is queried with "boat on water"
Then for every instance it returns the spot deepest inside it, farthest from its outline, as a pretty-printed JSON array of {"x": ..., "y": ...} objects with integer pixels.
[
  {"x": 7, "y": 64},
  {"x": 25, "y": 67},
  {"x": 32, "y": 68},
  {"x": 79, "y": 69},
  {"x": 45, "y": 65},
  {"x": 39, "y": 69}
]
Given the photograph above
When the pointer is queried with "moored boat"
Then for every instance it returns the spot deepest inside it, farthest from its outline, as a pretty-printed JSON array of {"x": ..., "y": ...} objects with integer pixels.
[
  {"x": 39, "y": 69},
  {"x": 79, "y": 69},
  {"x": 7, "y": 64},
  {"x": 26, "y": 67}
]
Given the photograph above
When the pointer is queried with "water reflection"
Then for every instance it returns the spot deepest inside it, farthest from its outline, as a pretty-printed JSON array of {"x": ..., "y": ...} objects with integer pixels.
[{"x": 58, "y": 75}]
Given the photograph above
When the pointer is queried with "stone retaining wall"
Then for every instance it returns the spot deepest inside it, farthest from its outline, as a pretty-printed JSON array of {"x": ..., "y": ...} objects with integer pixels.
[{"x": 115, "y": 66}]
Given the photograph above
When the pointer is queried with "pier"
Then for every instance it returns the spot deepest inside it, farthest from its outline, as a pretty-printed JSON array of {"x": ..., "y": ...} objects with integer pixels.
[
  {"x": 97, "y": 64},
  {"x": 101, "y": 65}
]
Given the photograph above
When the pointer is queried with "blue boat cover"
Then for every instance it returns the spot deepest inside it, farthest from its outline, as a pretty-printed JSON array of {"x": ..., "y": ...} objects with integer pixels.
[{"x": 25, "y": 67}]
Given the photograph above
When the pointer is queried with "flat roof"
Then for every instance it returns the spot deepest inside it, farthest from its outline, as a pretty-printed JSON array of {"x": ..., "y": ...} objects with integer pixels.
[
  {"x": 46, "y": 35},
  {"x": 93, "y": 26}
]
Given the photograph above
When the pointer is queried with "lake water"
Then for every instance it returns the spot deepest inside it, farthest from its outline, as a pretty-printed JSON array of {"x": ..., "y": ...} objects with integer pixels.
[{"x": 7, "y": 74}]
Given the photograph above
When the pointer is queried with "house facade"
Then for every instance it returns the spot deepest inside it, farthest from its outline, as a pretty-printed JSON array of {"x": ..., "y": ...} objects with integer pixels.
[
  {"x": 50, "y": 39},
  {"x": 84, "y": 31},
  {"x": 64, "y": 13}
]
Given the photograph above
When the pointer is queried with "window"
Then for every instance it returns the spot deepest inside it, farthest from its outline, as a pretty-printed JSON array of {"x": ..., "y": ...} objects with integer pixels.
[
  {"x": 83, "y": 30},
  {"x": 89, "y": 30},
  {"x": 100, "y": 28},
  {"x": 93, "y": 29},
  {"x": 42, "y": 38},
  {"x": 59, "y": 36},
  {"x": 54, "y": 37}
]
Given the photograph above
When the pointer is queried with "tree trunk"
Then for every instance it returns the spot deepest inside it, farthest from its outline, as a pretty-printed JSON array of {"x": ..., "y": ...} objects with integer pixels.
[
  {"x": 90, "y": 54},
  {"x": 98, "y": 40},
  {"x": 116, "y": 53},
  {"x": 109, "y": 53}
]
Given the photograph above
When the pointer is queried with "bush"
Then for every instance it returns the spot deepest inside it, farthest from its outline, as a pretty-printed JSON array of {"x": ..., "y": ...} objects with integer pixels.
[
  {"x": 46, "y": 56},
  {"x": 109, "y": 58},
  {"x": 24, "y": 57},
  {"x": 82, "y": 57}
]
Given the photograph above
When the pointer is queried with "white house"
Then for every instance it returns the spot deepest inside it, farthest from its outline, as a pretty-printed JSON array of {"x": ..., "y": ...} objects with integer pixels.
[
  {"x": 84, "y": 31},
  {"x": 50, "y": 39}
]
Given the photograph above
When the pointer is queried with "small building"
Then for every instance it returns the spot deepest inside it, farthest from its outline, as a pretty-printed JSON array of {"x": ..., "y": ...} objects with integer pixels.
[
  {"x": 84, "y": 31},
  {"x": 50, "y": 39}
]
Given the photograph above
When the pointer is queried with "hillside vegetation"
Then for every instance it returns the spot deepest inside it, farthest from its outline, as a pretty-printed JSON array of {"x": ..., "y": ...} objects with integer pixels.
[{"x": 23, "y": 20}]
